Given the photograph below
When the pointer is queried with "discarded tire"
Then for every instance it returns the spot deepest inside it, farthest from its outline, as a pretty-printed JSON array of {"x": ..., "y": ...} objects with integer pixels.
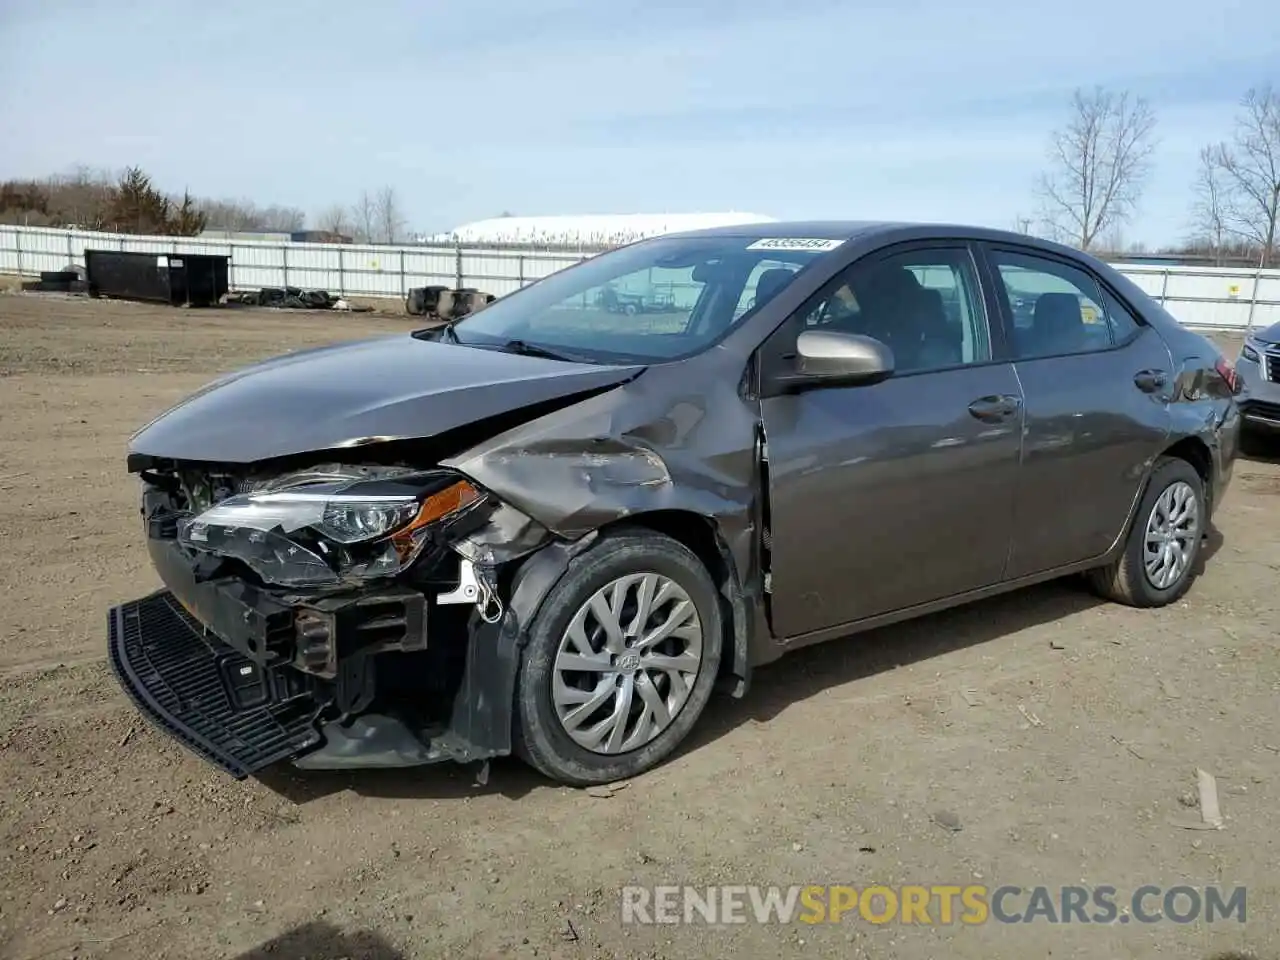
[
  {"x": 431, "y": 297},
  {"x": 316, "y": 299},
  {"x": 55, "y": 286},
  {"x": 467, "y": 301},
  {"x": 416, "y": 301},
  {"x": 440, "y": 301}
]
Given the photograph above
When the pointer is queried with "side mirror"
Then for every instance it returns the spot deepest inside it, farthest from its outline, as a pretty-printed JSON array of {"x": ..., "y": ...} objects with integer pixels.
[{"x": 830, "y": 357}]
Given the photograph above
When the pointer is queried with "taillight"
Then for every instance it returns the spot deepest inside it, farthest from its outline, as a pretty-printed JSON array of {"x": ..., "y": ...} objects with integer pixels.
[{"x": 1227, "y": 371}]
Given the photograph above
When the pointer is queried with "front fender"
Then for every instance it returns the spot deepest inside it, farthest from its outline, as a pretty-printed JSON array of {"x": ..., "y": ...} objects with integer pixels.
[
  {"x": 672, "y": 443},
  {"x": 480, "y": 726}
]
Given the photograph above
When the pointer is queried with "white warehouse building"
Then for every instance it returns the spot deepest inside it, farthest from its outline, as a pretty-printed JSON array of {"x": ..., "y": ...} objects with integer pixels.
[{"x": 589, "y": 229}]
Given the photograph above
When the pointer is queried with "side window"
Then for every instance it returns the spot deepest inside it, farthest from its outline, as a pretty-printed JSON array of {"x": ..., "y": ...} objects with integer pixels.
[
  {"x": 925, "y": 304},
  {"x": 1120, "y": 319},
  {"x": 1057, "y": 309}
]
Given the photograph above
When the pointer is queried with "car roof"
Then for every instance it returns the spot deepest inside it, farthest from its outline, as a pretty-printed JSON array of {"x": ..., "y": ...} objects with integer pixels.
[{"x": 886, "y": 230}]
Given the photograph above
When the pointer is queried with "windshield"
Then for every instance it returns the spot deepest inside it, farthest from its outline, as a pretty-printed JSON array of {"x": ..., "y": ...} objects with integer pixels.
[{"x": 656, "y": 300}]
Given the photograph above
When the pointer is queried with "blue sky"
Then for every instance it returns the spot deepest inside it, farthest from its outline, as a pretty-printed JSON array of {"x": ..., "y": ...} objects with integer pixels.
[{"x": 928, "y": 110}]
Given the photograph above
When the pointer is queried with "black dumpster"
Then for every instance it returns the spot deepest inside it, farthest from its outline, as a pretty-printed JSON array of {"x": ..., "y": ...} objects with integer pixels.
[{"x": 180, "y": 279}]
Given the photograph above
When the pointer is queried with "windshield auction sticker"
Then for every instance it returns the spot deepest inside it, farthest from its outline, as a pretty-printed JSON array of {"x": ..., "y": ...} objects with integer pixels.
[{"x": 794, "y": 243}]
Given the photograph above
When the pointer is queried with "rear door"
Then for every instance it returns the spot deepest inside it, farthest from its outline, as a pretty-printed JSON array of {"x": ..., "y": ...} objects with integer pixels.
[
  {"x": 889, "y": 495},
  {"x": 1096, "y": 384}
]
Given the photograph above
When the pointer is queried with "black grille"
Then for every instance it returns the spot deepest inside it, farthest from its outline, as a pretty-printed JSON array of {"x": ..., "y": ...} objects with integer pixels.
[
  {"x": 1263, "y": 409},
  {"x": 211, "y": 699},
  {"x": 1273, "y": 368}
]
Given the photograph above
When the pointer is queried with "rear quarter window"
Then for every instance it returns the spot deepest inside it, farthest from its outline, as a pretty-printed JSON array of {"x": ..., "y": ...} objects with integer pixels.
[{"x": 1124, "y": 326}]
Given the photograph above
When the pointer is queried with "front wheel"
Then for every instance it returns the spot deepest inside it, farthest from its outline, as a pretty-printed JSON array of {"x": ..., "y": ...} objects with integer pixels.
[
  {"x": 620, "y": 660},
  {"x": 1159, "y": 559}
]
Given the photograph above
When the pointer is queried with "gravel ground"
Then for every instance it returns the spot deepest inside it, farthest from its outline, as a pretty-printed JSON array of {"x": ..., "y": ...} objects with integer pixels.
[{"x": 1042, "y": 738}]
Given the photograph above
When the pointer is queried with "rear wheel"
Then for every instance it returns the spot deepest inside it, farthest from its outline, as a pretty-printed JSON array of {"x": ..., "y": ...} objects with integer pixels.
[
  {"x": 620, "y": 661},
  {"x": 1159, "y": 559}
]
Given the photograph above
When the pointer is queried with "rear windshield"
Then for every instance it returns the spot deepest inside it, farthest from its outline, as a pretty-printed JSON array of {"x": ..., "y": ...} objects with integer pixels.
[{"x": 656, "y": 300}]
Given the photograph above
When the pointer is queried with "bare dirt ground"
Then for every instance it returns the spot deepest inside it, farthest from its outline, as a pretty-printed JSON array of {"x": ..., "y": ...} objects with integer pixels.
[{"x": 115, "y": 842}]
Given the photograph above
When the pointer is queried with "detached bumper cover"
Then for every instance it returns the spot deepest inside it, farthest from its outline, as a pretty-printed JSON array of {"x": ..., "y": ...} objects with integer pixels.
[{"x": 225, "y": 707}]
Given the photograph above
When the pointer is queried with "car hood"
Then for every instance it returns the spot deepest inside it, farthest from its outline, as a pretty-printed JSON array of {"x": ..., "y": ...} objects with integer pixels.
[
  {"x": 349, "y": 394},
  {"x": 1270, "y": 334}
]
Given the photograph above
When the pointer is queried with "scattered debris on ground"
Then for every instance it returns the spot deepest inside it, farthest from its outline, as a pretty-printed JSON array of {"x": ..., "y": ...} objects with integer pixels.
[
  {"x": 1206, "y": 798},
  {"x": 293, "y": 298}
]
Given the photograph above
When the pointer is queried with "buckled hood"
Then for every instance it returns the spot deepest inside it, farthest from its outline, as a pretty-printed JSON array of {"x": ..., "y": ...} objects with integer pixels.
[{"x": 349, "y": 394}]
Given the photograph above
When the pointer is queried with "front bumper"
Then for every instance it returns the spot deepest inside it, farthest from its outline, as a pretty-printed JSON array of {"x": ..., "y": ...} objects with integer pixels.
[
  {"x": 247, "y": 677},
  {"x": 1259, "y": 400},
  {"x": 214, "y": 700},
  {"x": 1261, "y": 414}
]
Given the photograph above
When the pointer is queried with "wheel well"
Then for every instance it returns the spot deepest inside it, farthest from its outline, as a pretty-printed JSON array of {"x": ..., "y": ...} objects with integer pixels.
[
  {"x": 699, "y": 534},
  {"x": 693, "y": 530},
  {"x": 1195, "y": 452}
]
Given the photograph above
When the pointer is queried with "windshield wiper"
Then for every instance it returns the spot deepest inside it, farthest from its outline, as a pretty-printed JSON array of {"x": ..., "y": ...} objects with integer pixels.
[{"x": 528, "y": 349}]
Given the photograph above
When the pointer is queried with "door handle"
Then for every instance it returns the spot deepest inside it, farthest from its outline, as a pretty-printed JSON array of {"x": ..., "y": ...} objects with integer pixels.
[
  {"x": 1149, "y": 381},
  {"x": 995, "y": 408}
]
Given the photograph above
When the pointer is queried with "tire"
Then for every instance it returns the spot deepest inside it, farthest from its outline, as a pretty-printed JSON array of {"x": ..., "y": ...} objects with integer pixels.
[
  {"x": 1127, "y": 580},
  {"x": 541, "y": 738}
]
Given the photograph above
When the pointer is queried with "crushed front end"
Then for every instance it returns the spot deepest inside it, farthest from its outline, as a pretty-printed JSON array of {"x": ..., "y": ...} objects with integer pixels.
[{"x": 337, "y": 616}]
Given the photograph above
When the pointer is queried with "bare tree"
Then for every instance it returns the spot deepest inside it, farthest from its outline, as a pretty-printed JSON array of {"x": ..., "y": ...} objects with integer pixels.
[
  {"x": 81, "y": 196},
  {"x": 278, "y": 219},
  {"x": 336, "y": 219},
  {"x": 1099, "y": 163},
  {"x": 1113, "y": 240},
  {"x": 365, "y": 214},
  {"x": 1248, "y": 168},
  {"x": 244, "y": 215},
  {"x": 390, "y": 223},
  {"x": 1208, "y": 210},
  {"x": 233, "y": 215}
]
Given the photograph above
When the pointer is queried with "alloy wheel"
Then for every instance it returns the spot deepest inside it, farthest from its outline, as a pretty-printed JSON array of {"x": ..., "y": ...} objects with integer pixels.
[
  {"x": 1173, "y": 528},
  {"x": 627, "y": 663}
]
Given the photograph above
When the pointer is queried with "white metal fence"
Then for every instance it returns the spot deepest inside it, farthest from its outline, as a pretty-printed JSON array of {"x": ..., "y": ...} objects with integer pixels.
[
  {"x": 366, "y": 271},
  {"x": 1198, "y": 296}
]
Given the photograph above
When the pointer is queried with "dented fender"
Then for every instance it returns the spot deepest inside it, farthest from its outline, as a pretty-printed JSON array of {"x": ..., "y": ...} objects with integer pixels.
[
  {"x": 665, "y": 443},
  {"x": 644, "y": 446}
]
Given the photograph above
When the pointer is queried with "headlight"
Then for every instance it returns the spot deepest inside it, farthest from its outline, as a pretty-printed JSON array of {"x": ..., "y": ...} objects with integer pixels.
[
  {"x": 322, "y": 531},
  {"x": 1249, "y": 352}
]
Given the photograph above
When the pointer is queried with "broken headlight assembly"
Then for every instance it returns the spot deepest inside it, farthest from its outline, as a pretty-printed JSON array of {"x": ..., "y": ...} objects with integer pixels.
[{"x": 316, "y": 530}]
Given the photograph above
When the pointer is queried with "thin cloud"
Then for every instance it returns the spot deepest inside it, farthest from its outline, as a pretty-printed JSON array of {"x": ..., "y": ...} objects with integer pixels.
[{"x": 927, "y": 110}]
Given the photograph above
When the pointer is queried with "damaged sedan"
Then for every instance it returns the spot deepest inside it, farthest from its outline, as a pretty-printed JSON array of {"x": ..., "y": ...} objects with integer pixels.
[{"x": 552, "y": 530}]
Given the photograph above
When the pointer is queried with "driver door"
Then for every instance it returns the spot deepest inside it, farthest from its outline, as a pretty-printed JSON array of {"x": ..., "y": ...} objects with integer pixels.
[{"x": 898, "y": 493}]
